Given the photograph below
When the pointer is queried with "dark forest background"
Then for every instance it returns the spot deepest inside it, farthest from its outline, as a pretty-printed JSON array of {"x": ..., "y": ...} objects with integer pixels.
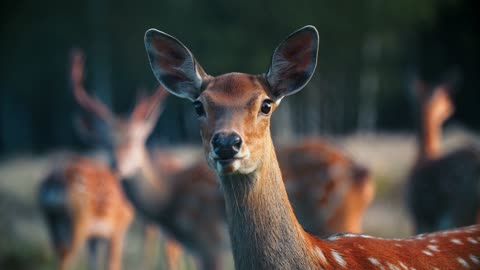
[{"x": 370, "y": 51}]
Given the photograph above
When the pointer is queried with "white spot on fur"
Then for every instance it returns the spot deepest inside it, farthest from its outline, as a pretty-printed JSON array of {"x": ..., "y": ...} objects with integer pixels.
[
  {"x": 475, "y": 259},
  {"x": 392, "y": 267},
  {"x": 433, "y": 241},
  {"x": 420, "y": 236},
  {"x": 338, "y": 258},
  {"x": 320, "y": 254},
  {"x": 426, "y": 252},
  {"x": 333, "y": 237},
  {"x": 433, "y": 248},
  {"x": 463, "y": 262},
  {"x": 350, "y": 235},
  {"x": 398, "y": 245},
  {"x": 376, "y": 263},
  {"x": 403, "y": 265},
  {"x": 456, "y": 241},
  {"x": 471, "y": 240}
]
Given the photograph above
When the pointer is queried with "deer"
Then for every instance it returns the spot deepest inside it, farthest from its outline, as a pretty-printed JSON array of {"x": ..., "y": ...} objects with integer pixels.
[
  {"x": 129, "y": 144},
  {"x": 82, "y": 202},
  {"x": 442, "y": 189},
  {"x": 331, "y": 192},
  {"x": 234, "y": 111}
]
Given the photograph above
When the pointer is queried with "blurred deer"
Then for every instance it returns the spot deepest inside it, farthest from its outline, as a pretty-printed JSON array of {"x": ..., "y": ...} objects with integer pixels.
[
  {"x": 125, "y": 138},
  {"x": 234, "y": 112},
  {"x": 329, "y": 192},
  {"x": 82, "y": 201},
  {"x": 444, "y": 189}
]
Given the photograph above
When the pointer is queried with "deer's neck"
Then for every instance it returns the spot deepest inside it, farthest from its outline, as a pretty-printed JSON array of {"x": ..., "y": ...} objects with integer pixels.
[
  {"x": 148, "y": 190},
  {"x": 429, "y": 137},
  {"x": 264, "y": 231}
]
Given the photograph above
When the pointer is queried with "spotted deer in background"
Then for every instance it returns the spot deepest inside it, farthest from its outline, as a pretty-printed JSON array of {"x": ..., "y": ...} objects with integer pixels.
[
  {"x": 443, "y": 190},
  {"x": 234, "y": 111},
  {"x": 82, "y": 201},
  {"x": 127, "y": 139}
]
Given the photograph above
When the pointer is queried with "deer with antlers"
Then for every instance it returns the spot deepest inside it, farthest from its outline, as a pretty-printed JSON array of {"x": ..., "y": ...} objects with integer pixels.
[
  {"x": 443, "y": 189},
  {"x": 234, "y": 112},
  {"x": 128, "y": 141},
  {"x": 82, "y": 201}
]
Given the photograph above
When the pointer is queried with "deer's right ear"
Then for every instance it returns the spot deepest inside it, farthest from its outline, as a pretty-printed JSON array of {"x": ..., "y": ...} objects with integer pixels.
[{"x": 174, "y": 65}]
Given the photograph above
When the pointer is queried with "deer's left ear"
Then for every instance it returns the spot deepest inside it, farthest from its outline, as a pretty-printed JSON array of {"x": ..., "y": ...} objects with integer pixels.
[{"x": 293, "y": 62}]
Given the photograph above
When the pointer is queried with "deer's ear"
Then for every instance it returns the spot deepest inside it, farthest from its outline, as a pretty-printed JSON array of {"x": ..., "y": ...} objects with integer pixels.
[
  {"x": 174, "y": 65},
  {"x": 293, "y": 62}
]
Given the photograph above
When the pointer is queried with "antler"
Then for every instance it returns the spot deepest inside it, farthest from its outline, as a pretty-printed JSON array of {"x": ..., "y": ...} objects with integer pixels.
[
  {"x": 149, "y": 107},
  {"x": 77, "y": 76}
]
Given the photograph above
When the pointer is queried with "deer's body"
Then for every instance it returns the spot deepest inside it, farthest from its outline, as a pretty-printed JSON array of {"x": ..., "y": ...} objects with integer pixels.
[
  {"x": 234, "y": 113},
  {"x": 82, "y": 200},
  {"x": 329, "y": 192},
  {"x": 443, "y": 189},
  {"x": 127, "y": 144}
]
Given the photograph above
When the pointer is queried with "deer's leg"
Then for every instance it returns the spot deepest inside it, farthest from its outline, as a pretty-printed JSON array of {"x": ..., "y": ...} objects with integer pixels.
[
  {"x": 149, "y": 238},
  {"x": 93, "y": 253},
  {"x": 173, "y": 253},
  {"x": 77, "y": 239},
  {"x": 115, "y": 250},
  {"x": 213, "y": 262}
]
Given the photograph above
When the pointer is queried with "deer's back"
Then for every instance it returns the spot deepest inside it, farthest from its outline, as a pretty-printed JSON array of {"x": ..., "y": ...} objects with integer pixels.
[
  {"x": 445, "y": 192},
  {"x": 329, "y": 192}
]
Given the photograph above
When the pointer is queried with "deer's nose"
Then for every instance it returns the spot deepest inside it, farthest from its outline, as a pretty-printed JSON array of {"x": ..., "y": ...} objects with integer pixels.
[{"x": 226, "y": 145}]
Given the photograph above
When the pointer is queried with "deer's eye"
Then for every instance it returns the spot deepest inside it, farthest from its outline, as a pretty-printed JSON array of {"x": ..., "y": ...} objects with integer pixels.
[
  {"x": 198, "y": 108},
  {"x": 266, "y": 106}
]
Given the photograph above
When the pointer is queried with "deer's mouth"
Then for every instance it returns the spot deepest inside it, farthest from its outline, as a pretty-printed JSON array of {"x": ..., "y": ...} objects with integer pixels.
[{"x": 227, "y": 166}]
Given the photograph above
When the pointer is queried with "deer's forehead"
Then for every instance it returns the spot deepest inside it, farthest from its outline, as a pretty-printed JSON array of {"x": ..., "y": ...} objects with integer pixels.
[{"x": 234, "y": 89}]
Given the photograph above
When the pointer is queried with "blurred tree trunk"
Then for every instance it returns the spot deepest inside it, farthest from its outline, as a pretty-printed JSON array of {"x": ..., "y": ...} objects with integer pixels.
[
  {"x": 369, "y": 84},
  {"x": 16, "y": 125},
  {"x": 100, "y": 50}
]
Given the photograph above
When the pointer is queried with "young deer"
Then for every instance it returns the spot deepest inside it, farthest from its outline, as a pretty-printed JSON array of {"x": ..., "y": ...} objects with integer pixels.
[
  {"x": 443, "y": 190},
  {"x": 128, "y": 137},
  {"x": 234, "y": 112},
  {"x": 82, "y": 200},
  {"x": 329, "y": 190}
]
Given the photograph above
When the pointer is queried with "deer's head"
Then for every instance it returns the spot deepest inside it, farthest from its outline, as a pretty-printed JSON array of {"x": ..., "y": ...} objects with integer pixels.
[
  {"x": 234, "y": 109},
  {"x": 124, "y": 136},
  {"x": 435, "y": 101}
]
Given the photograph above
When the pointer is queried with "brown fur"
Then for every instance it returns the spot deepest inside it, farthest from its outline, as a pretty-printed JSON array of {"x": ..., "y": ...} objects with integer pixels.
[
  {"x": 264, "y": 231},
  {"x": 82, "y": 200},
  {"x": 128, "y": 138}
]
